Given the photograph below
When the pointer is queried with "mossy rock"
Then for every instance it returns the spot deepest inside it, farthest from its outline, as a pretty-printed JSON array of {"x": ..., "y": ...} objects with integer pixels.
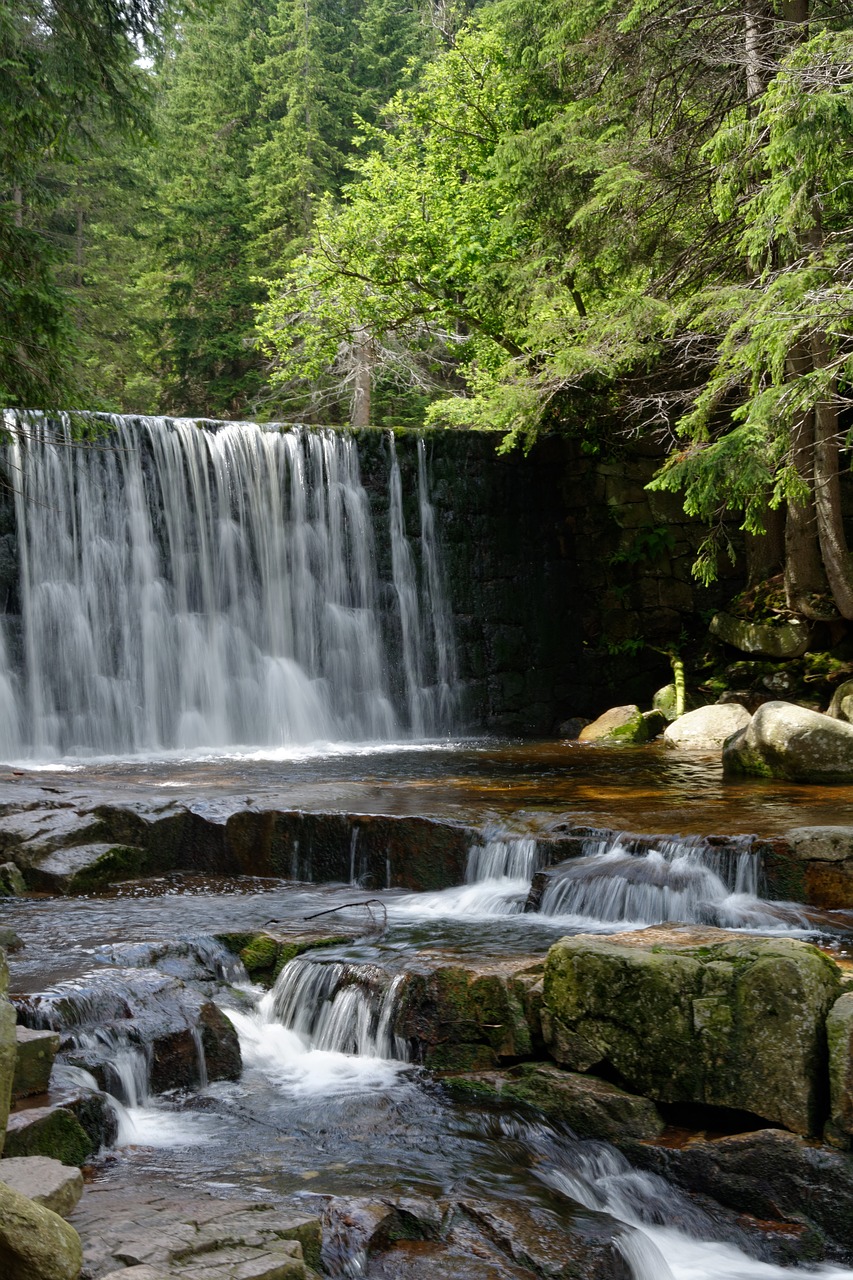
[
  {"x": 48, "y": 1131},
  {"x": 701, "y": 1016},
  {"x": 264, "y": 955}
]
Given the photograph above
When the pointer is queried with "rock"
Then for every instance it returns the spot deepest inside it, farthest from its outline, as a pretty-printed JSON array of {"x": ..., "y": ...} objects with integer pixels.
[
  {"x": 570, "y": 729},
  {"x": 8, "y": 1047},
  {"x": 770, "y": 1174},
  {"x": 468, "y": 1017},
  {"x": 706, "y": 728},
  {"x": 839, "y": 1033},
  {"x": 618, "y": 725},
  {"x": 36, "y": 1244},
  {"x": 840, "y": 708},
  {"x": 784, "y": 740},
  {"x": 11, "y": 881},
  {"x": 92, "y": 1108},
  {"x": 264, "y": 954},
  {"x": 656, "y": 722},
  {"x": 592, "y": 1108},
  {"x": 50, "y": 1183},
  {"x": 579, "y": 1245},
  {"x": 696, "y": 1015},
  {"x": 35, "y": 1052},
  {"x": 788, "y": 638},
  {"x": 52, "y": 1131},
  {"x": 9, "y": 939},
  {"x": 664, "y": 702},
  {"x": 140, "y": 1007},
  {"x": 810, "y": 864},
  {"x": 138, "y": 1273}
]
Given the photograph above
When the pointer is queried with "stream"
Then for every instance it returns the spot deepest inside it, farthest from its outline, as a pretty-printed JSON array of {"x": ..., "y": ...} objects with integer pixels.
[{"x": 330, "y": 1102}]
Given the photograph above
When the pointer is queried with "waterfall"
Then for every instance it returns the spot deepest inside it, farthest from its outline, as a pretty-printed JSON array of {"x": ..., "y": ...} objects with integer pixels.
[
  {"x": 339, "y": 1007},
  {"x": 187, "y": 586},
  {"x": 686, "y": 879},
  {"x": 498, "y": 874}
]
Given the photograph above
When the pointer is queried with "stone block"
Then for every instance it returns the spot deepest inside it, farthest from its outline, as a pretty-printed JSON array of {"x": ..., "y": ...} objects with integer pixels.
[
  {"x": 48, "y": 1131},
  {"x": 49, "y": 1182},
  {"x": 34, "y": 1055},
  {"x": 697, "y": 1016}
]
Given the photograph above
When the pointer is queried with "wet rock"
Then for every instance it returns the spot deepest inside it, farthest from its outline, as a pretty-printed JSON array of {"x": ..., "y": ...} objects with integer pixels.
[
  {"x": 839, "y": 1032},
  {"x": 34, "y": 1055},
  {"x": 706, "y": 728},
  {"x": 54, "y": 1185},
  {"x": 840, "y": 708},
  {"x": 580, "y": 1246},
  {"x": 35, "y": 1244},
  {"x": 591, "y": 1108},
  {"x": 8, "y": 1047},
  {"x": 264, "y": 954},
  {"x": 354, "y": 1229},
  {"x": 697, "y": 1015},
  {"x": 811, "y": 864},
  {"x": 656, "y": 723},
  {"x": 52, "y": 1131},
  {"x": 9, "y": 939},
  {"x": 203, "y": 962},
  {"x": 570, "y": 729},
  {"x": 783, "y": 639},
  {"x": 11, "y": 881},
  {"x": 787, "y": 741},
  {"x": 92, "y": 1108},
  {"x": 468, "y": 1017},
  {"x": 134, "y": 1008},
  {"x": 181, "y": 1238},
  {"x": 618, "y": 725},
  {"x": 770, "y": 1174}
]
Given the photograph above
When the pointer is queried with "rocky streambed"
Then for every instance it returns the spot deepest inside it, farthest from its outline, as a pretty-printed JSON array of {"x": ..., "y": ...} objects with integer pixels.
[{"x": 282, "y": 1042}]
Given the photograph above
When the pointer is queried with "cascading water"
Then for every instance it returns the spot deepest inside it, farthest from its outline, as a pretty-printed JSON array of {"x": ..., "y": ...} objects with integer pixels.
[
  {"x": 326, "y": 1027},
  {"x": 186, "y": 587},
  {"x": 497, "y": 881},
  {"x": 676, "y": 879}
]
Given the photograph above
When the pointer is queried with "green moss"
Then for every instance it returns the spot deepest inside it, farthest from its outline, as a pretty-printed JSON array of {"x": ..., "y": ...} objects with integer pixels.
[
  {"x": 261, "y": 953},
  {"x": 58, "y": 1135},
  {"x": 459, "y": 1057},
  {"x": 122, "y": 862}
]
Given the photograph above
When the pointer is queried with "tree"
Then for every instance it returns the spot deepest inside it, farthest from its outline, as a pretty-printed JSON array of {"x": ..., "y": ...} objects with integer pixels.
[{"x": 65, "y": 67}]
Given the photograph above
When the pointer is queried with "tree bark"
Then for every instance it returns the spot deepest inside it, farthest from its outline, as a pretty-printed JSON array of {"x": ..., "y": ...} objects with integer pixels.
[
  {"x": 827, "y": 490},
  {"x": 18, "y": 201},
  {"x": 362, "y": 380},
  {"x": 804, "y": 575}
]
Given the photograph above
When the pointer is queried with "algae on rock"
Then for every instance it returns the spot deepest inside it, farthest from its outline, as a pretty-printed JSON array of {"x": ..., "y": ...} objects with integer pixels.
[{"x": 697, "y": 1016}]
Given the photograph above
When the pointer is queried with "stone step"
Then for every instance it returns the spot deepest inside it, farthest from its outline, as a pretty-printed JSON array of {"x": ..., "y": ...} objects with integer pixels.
[
  {"x": 55, "y": 1185},
  {"x": 35, "y": 1052}
]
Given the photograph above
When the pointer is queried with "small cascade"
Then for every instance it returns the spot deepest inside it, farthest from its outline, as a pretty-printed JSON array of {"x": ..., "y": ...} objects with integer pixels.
[
  {"x": 498, "y": 874},
  {"x": 189, "y": 586},
  {"x": 140, "y": 1031},
  {"x": 653, "y": 880},
  {"x": 339, "y": 1007}
]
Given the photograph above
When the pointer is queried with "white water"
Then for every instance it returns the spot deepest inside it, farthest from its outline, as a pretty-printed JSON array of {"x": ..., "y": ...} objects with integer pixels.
[
  {"x": 325, "y": 1028},
  {"x": 184, "y": 588},
  {"x": 497, "y": 881},
  {"x": 683, "y": 880}
]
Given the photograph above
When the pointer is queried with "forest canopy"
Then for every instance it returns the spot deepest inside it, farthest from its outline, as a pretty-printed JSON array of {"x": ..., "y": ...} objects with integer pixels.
[{"x": 602, "y": 217}]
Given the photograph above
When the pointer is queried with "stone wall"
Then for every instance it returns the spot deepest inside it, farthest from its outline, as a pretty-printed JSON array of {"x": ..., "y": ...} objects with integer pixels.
[{"x": 567, "y": 577}]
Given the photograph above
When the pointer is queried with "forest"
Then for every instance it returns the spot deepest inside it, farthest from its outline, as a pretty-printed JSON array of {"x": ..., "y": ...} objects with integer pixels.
[{"x": 607, "y": 218}]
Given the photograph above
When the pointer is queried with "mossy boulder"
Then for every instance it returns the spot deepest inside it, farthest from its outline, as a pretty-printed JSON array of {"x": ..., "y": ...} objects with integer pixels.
[
  {"x": 839, "y": 1031},
  {"x": 779, "y": 638},
  {"x": 49, "y": 1131},
  {"x": 697, "y": 1016},
  {"x": 592, "y": 1108},
  {"x": 35, "y": 1243},
  {"x": 784, "y": 740},
  {"x": 264, "y": 954},
  {"x": 620, "y": 726},
  {"x": 840, "y": 708}
]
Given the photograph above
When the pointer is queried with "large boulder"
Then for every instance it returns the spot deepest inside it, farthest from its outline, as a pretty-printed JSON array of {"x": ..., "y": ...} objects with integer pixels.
[
  {"x": 706, "y": 728},
  {"x": 618, "y": 726},
  {"x": 52, "y": 1131},
  {"x": 785, "y": 638},
  {"x": 784, "y": 740},
  {"x": 35, "y": 1243},
  {"x": 35, "y": 1052},
  {"x": 810, "y": 864},
  {"x": 696, "y": 1016}
]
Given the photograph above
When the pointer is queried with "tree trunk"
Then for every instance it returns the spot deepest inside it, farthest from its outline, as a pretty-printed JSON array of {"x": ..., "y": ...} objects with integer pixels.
[
  {"x": 362, "y": 380},
  {"x": 18, "y": 201},
  {"x": 804, "y": 576},
  {"x": 765, "y": 553},
  {"x": 827, "y": 490}
]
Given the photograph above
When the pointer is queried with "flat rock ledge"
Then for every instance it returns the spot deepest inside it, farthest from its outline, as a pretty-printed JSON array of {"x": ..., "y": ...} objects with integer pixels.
[{"x": 54, "y": 1185}]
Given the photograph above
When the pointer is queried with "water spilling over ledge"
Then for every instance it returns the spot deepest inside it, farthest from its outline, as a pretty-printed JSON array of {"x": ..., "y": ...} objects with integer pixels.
[{"x": 200, "y": 586}]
